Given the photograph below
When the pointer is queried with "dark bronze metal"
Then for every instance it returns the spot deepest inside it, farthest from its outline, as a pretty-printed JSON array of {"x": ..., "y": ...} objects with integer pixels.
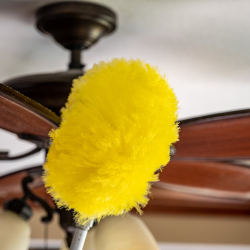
[
  {"x": 67, "y": 222},
  {"x": 20, "y": 207},
  {"x": 28, "y": 194},
  {"x": 50, "y": 90},
  {"x": 75, "y": 60},
  {"x": 41, "y": 142},
  {"x": 76, "y": 25},
  {"x": 4, "y": 156}
]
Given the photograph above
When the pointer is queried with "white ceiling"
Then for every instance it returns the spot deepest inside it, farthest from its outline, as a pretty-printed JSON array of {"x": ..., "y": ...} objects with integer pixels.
[{"x": 202, "y": 46}]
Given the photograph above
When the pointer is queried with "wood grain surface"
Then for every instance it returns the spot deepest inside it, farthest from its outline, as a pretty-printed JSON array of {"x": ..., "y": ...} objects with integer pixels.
[
  {"x": 21, "y": 115},
  {"x": 202, "y": 176},
  {"x": 161, "y": 201},
  {"x": 222, "y": 137}
]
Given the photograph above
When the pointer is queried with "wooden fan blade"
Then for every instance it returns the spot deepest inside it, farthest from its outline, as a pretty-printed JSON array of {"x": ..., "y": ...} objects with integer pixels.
[
  {"x": 201, "y": 187},
  {"x": 161, "y": 200},
  {"x": 169, "y": 201},
  {"x": 207, "y": 175},
  {"x": 21, "y": 115},
  {"x": 221, "y": 137}
]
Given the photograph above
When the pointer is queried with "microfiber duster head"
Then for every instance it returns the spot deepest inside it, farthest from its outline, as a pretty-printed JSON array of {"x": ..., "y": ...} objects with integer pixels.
[{"x": 116, "y": 131}]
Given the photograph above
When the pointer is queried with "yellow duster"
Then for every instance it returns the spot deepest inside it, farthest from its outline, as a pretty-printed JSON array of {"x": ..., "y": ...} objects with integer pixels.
[{"x": 116, "y": 131}]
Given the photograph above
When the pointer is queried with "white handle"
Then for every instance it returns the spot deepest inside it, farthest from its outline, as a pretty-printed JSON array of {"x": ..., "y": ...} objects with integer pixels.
[{"x": 80, "y": 236}]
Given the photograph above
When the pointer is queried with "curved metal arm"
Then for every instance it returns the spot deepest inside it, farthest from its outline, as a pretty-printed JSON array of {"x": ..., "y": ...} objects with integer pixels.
[
  {"x": 4, "y": 156},
  {"x": 28, "y": 194}
]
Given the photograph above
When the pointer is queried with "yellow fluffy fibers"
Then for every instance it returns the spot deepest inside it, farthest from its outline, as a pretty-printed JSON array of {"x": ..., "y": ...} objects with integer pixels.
[{"x": 116, "y": 130}]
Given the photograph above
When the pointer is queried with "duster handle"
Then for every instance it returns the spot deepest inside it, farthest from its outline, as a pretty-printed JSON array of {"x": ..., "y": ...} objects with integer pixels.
[{"x": 80, "y": 236}]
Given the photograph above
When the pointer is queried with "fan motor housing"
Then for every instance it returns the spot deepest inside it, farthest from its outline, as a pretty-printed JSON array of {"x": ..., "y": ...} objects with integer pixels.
[{"x": 76, "y": 26}]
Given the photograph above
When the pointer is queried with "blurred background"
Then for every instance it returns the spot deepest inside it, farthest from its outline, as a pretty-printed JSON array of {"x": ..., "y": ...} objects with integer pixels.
[{"x": 202, "y": 46}]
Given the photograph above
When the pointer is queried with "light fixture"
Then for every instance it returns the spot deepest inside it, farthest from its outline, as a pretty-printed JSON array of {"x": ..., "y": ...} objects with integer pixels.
[
  {"x": 14, "y": 230},
  {"x": 128, "y": 232}
]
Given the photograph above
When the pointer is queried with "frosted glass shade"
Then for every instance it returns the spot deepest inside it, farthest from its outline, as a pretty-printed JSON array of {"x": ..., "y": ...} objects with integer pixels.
[
  {"x": 124, "y": 233},
  {"x": 14, "y": 232}
]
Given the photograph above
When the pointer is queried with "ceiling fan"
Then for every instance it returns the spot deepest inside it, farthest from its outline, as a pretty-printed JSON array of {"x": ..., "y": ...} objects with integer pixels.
[{"x": 209, "y": 168}]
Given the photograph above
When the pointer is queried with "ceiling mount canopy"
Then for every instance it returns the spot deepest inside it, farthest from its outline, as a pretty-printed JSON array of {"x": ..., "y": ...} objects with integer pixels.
[{"x": 76, "y": 25}]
